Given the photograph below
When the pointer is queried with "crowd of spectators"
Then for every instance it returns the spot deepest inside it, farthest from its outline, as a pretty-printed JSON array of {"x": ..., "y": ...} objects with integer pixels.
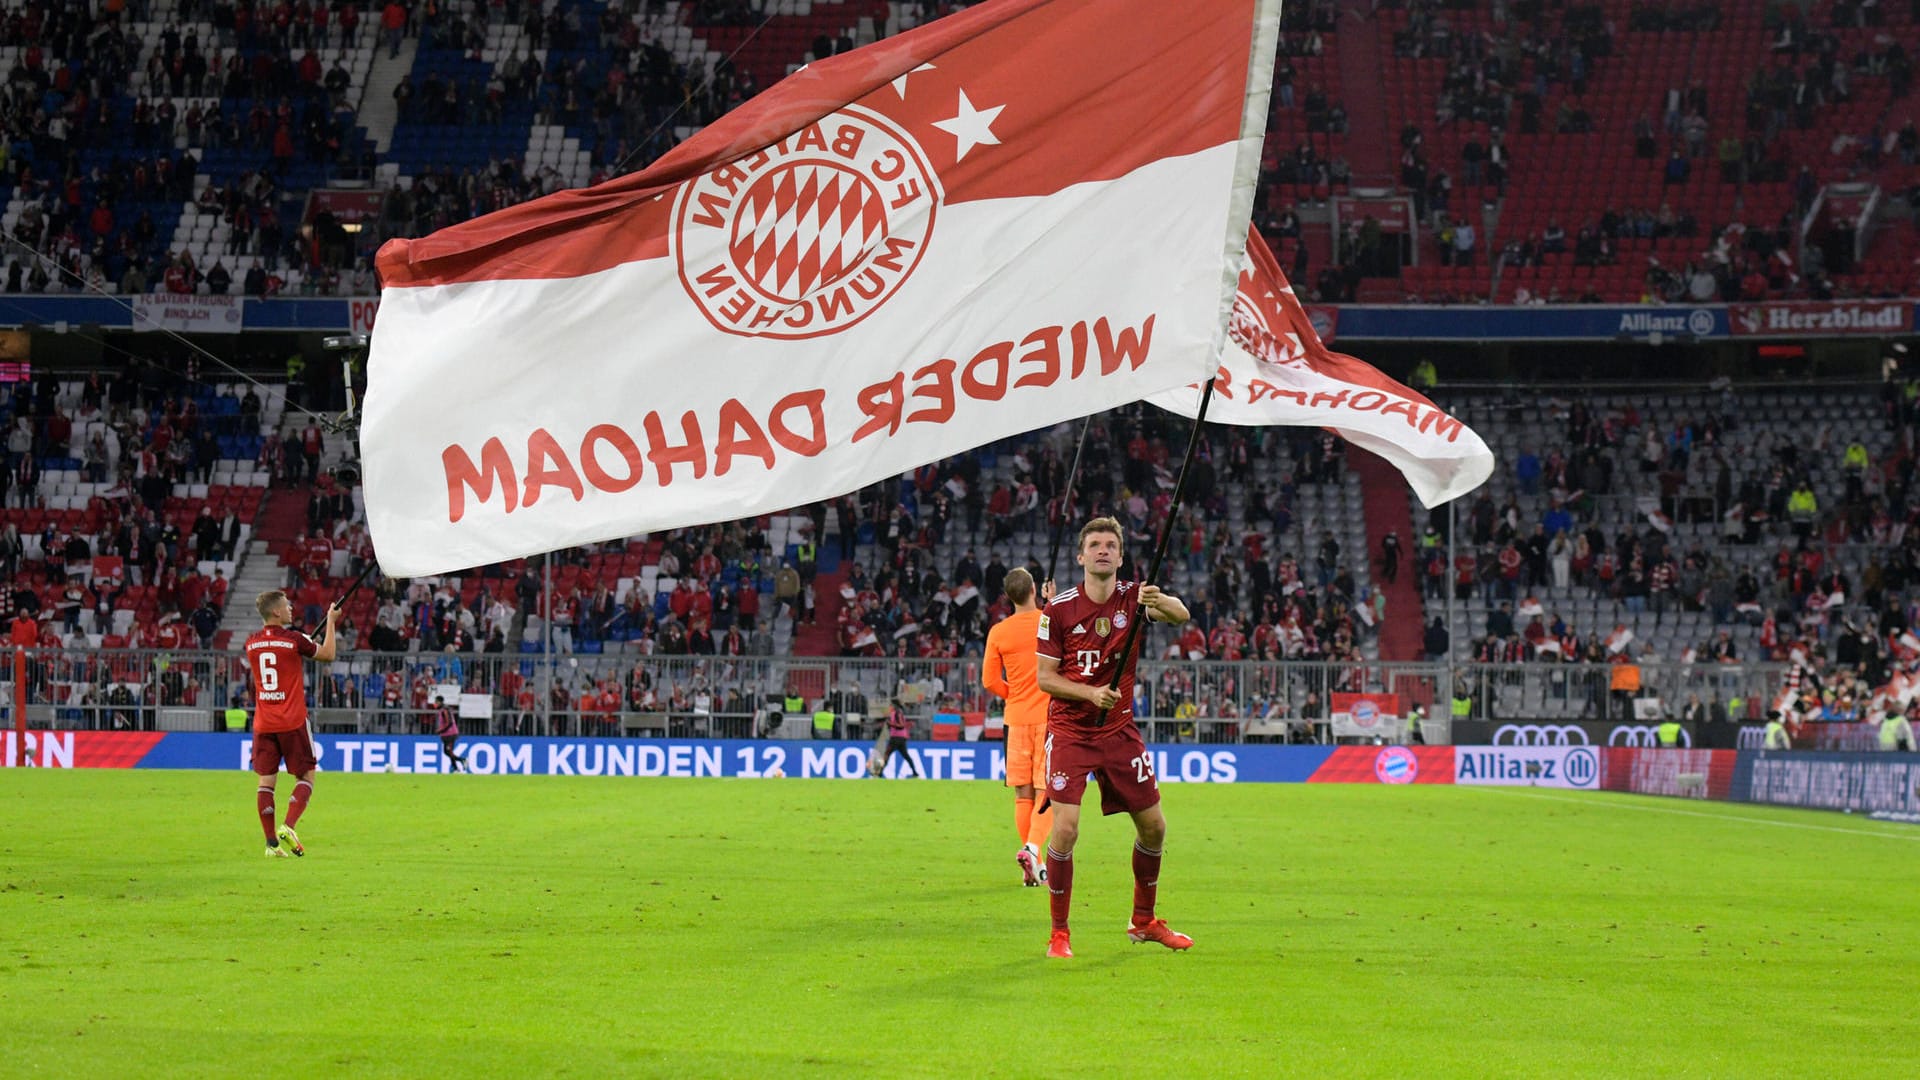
[
  {"x": 135, "y": 544},
  {"x": 1497, "y": 80},
  {"x": 1517, "y": 72},
  {"x": 1268, "y": 590},
  {"x": 1789, "y": 570},
  {"x": 101, "y": 167},
  {"x": 897, "y": 597},
  {"x": 1781, "y": 567}
]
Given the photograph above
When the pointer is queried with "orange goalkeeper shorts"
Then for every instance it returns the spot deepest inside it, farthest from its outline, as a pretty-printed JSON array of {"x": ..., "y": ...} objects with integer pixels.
[{"x": 1026, "y": 754}]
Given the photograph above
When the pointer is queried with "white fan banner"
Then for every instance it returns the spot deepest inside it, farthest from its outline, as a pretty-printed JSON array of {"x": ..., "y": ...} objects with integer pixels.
[
  {"x": 1019, "y": 214},
  {"x": 1276, "y": 372}
]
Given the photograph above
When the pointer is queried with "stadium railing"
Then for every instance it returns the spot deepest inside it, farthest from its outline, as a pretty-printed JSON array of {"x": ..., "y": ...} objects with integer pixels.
[{"x": 743, "y": 697}]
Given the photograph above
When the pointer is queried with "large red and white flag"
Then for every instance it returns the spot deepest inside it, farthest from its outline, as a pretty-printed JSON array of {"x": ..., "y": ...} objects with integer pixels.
[
  {"x": 1022, "y": 213},
  {"x": 1276, "y": 372}
]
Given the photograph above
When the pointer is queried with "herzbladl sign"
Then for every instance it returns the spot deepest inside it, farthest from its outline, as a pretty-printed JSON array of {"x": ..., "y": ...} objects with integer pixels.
[{"x": 1836, "y": 317}]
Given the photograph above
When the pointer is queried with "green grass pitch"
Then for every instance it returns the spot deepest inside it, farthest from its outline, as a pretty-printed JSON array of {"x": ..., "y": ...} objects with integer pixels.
[{"x": 462, "y": 926}]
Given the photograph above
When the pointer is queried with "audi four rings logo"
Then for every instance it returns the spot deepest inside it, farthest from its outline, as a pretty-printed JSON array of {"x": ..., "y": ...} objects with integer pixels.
[
  {"x": 1642, "y": 735},
  {"x": 1540, "y": 735}
]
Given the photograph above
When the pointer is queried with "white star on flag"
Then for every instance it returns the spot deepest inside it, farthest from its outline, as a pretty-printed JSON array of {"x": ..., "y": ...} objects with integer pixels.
[
  {"x": 900, "y": 84},
  {"x": 971, "y": 127}
]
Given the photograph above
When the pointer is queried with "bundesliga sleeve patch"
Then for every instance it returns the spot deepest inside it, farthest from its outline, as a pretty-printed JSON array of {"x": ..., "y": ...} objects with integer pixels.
[{"x": 1046, "y": 628}]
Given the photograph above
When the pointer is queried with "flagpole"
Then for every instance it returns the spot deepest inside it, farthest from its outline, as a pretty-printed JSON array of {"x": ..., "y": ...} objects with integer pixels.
[
  {"x": 1446, "y": 580},
  {"x": 1166, "y": 531},
  {"x": 546, "y": 646},
  {"x": 1066, "y": 498}
]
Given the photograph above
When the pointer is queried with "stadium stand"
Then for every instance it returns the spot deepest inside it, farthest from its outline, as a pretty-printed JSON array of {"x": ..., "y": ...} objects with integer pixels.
[
  {"x": 1754, "y": 151},
  {"x": 127, "y": 505},
  {"x": 1692, "y": 527},
  {"x": 1728, "y": 132}
]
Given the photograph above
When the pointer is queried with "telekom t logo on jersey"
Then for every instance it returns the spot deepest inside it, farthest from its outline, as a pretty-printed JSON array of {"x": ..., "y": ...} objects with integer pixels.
[{"x": 1089, "y": 660}]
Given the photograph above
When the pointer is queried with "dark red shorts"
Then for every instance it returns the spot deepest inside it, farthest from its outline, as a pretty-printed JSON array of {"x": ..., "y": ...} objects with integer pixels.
[
  {"x": 1118, "y": 761},
  {"x": 294, "y": 747}
]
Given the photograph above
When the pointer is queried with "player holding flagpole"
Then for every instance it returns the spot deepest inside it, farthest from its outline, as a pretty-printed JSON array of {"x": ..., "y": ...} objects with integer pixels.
[
  {"x": 276, "y": 656},
  {"x": 1085, "y": 663},
  {"x": 1008, "y": 671}
]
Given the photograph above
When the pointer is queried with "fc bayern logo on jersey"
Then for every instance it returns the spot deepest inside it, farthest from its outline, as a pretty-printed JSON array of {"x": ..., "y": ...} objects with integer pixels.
[
  {"x": 1059, "y": 781},
  {"x": 1119, "y": 620},
  {"x": 810, "y": 235},
  {"x": 1396, "y": 765}
]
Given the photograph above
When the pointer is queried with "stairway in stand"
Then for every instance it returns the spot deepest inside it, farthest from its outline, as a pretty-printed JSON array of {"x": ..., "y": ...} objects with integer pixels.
[
  {"x": 283, "y": 515},
  {"x": 1371, "y": 150},
  {"x": 822, "y": 636},
  {"x": 1388, "y": 511}
]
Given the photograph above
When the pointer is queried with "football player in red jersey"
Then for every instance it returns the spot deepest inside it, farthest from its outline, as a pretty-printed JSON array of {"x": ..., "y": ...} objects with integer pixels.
[
  {"x": 1090, "y": 728},
  {"x": 276, "y": 658}
]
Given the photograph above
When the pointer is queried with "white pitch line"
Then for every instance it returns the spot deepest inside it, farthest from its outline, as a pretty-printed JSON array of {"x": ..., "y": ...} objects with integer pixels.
[{"x": 1621, "y": 805}]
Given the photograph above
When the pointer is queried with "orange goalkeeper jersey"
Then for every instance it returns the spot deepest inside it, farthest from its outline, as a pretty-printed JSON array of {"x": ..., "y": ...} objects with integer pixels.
[{"x": 1010, "y": 670}]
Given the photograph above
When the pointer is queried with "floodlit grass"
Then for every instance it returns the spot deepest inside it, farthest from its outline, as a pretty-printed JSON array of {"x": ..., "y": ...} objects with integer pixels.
[{"x": 463, "y": 926}]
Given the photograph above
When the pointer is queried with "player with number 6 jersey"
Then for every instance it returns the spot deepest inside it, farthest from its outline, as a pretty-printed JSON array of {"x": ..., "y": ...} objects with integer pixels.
[
  {"x": 1090, "y": 730},
  {"x": 276, "y": 660}
]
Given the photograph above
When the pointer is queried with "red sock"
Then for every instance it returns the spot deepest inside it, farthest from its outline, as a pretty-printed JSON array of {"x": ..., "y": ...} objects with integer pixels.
[
  {"x": 1146, "y": 883},
  {"x": 297, "y": 804},
  {"x": 264, "y": 798},
  {"x": 1060, "y": 884}
]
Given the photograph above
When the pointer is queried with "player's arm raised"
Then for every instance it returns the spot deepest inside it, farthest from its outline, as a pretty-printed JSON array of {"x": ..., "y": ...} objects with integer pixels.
[
  {"x": 330, "y": 648},
  {"x": 1163, "y": 607},
  {"x": 1047, "y": 671}
]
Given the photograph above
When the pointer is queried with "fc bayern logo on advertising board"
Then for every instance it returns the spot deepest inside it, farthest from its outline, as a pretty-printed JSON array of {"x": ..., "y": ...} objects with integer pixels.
[
  {"x": 810, "y": 235},
  {"x": 1396, "y": 765}
]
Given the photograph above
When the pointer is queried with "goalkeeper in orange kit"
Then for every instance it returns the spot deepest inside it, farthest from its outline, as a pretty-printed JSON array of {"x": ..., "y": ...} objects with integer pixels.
[{"x": 1009, "y": 672}]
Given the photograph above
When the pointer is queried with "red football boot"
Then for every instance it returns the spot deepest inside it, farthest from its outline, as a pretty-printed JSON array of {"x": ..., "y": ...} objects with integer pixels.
[
  {"x": 1158, "y": 930},
  {"x": 1059, "y": 949}
]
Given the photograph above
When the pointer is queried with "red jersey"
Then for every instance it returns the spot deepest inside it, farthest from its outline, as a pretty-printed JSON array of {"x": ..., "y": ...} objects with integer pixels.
[
  {"x": 1087, "y": 638},
  {"x": 276, "y": 658},
  {"x": 319, "y": 552}
]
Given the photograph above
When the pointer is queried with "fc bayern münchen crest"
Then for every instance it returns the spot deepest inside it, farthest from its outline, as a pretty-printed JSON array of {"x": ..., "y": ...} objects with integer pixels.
[{"x": 810, "y": 235}]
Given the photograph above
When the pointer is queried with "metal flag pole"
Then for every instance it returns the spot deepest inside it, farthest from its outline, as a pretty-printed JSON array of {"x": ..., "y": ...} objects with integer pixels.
[
  {"x": 1166, "y": 529},
  {"x": 546, "y": 647},
  {"x": 1447, "y": 583},
  {"x": 348, "y": 595},
  {"x": 1066, "y": 499}
]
